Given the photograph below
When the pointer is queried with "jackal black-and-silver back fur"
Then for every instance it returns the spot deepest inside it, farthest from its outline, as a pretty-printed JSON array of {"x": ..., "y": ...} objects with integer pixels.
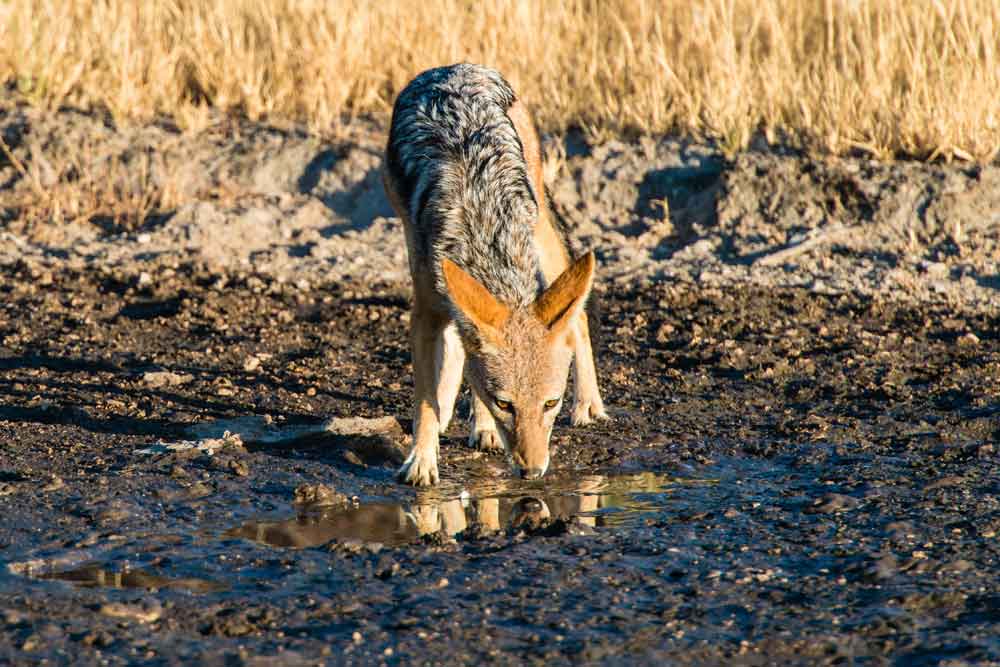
[{"x": 459, "y": 166}]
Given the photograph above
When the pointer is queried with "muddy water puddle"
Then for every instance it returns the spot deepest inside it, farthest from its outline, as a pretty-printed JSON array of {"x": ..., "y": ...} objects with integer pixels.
[
  {"x": 591, "y": 501},
  {"x": 98, "y": 576},
  {"x": 200, "y": 560}
]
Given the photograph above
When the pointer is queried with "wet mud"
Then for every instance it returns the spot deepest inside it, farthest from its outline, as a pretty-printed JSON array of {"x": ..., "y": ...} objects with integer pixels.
[{"x": 200, "y": 469}]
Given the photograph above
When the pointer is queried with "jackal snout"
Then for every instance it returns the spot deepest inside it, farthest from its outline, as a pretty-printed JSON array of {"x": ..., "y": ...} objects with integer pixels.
[
  {"x": 529, "y": 450},
  {"x": 518, "y": 358}
]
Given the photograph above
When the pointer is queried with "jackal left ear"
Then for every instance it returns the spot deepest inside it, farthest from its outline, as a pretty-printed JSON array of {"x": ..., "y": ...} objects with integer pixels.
[
  {"x": 565, "y": 297},
  {"x": 480, "y": 308}
]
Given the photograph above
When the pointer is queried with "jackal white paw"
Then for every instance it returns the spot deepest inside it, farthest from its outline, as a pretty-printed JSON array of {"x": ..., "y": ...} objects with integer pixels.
[
  {"x": 486, "y": 441},
  {"x": 588, "y": 411},
  {"x": 419, "y": 470}
]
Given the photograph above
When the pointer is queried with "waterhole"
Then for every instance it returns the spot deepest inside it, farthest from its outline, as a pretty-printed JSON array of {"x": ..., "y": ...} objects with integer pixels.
[
  {"x": 593, "y": 501},
  {"x": 97, "y": 575}
]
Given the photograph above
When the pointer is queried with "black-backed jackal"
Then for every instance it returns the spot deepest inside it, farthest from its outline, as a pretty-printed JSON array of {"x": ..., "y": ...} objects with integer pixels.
[{"x": 496, "y": 296}]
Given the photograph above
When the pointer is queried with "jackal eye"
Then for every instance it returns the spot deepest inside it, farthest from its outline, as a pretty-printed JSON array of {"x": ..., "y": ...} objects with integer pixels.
[
  {"x": 551, "y": 403},
  {"x": 503, "y": 405}
]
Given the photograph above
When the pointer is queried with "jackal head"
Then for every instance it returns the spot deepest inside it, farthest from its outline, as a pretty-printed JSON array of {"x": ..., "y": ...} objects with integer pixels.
[{"x": 517, "y": 359}]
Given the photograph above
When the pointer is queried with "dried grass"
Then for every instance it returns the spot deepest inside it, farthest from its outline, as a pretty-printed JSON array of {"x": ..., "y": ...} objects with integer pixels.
[
  {"x": 916, "y": 78},
  {"x": 67, "y": 188}
]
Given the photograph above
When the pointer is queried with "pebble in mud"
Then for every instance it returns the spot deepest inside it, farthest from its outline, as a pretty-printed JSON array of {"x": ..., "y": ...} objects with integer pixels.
[
  {"x": 316, "y": 496},
  {"x": 198, "y": 490},
  {"x": 54, "y": 484},
  {"x": 148, "y": 612},
  {"x": 238, "y": 468},
  {"x": 832, "y": 503},
  {"x": 160, "y": 379}
]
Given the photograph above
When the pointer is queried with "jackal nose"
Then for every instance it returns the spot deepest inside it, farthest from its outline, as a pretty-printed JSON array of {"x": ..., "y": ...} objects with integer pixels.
[{"x": 532, "y": 473}]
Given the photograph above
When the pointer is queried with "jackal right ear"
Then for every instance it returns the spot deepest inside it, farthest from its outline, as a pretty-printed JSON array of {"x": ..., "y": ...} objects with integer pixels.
[
  {"x": 565, "y": 297},
  {"x": 477, "y": 305}
]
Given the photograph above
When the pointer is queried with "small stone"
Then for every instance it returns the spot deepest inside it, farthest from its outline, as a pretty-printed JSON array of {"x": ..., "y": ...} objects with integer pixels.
[
  {"x": 969, "y": 340},
  {"x": 884, "y": 568},
  {"x": 352, "y": 458},
  {"x": 198, "y": 490},
  {"x": 310, "y": 496},
  {"x": 149, "y": 613},
  {"x": 238, "y": 468},
  {"x": 55, "y": 483},
  {"x": 945, "y": 482},
  {"x": 664, "y": 333},
  {"x": 13, "y": 617},
  {"x": 832, "y": 503},
  {"x": 363, "y": 426},
  {"x": 158, "y": 379},
  {"x": 960, "y": 565}
]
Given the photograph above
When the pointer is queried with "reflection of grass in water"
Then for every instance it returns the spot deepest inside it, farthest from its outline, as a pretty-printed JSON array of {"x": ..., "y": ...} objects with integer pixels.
[
  {"x": 612, "y": 490},
  {"x": 626, "y": 496}
]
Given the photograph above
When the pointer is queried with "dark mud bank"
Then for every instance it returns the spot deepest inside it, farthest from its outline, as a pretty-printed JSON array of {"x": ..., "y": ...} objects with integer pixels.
[{"x": 791, "y": 477}]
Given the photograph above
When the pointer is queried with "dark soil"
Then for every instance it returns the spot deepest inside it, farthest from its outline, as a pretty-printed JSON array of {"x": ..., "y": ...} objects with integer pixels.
[{"x": 853, "y": 518}]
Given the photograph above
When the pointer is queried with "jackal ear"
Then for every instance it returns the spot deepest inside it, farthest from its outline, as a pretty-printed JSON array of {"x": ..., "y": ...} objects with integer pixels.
[
  {"x": 476, "y": 304},
  {"x": 565, "y": 297}
]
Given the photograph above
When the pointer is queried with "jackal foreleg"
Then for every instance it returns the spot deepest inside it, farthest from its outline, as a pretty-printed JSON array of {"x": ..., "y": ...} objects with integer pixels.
[
  {"x": 428, "y": 343},
  {"x": 587, "y": 403},
  {"x": 483, "y": 428}
]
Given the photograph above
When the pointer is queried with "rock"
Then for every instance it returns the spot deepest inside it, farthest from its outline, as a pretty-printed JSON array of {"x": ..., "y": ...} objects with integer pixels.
[
  {"x": 198, "y": 490},
  {"x": 143, "y": 613},
  {"x": 352, "y": 458},
  {"x": 238, "y": 468},
  {"x": 228, "y": 441},
  {"x": 55, "y": 483},
  {"x": 315, "y": 496},
  {"x": 363, "y": 426},
  {"x": 884, "y": 568},
  {"x": 960, "y": 565},
  {"x": 832, "y": 503},
  {"x": 159, "y": 379},
  {"x": 945, "y": 482}
]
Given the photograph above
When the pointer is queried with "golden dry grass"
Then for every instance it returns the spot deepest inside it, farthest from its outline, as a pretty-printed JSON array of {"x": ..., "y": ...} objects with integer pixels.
[
  {"x": 61, "y": 187},
  {"x": 892, "y": 77}
]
